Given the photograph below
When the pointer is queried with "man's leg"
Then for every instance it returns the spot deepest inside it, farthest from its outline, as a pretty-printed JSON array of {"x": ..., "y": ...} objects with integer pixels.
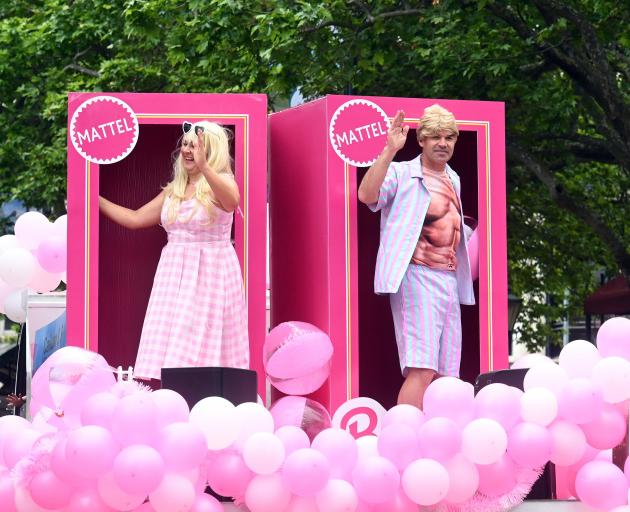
[{"x": 415, "y": 385}]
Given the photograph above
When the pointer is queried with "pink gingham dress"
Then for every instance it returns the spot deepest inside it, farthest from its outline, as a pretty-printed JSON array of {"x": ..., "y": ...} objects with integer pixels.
[{"x": 197, "y": 315}]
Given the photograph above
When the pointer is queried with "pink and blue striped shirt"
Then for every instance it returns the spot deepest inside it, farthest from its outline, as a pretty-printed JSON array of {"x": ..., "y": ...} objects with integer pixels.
[{"x": 403, "y": 201}]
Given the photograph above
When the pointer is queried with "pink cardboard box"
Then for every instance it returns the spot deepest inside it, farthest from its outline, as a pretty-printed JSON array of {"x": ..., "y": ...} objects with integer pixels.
[
  {"x": 324, "y": 242},
  {"x": 121, "y": 145}
]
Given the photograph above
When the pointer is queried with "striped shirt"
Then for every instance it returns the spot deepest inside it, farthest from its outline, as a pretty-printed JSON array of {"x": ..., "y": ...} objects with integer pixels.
[{"x": 403, "y": 201}]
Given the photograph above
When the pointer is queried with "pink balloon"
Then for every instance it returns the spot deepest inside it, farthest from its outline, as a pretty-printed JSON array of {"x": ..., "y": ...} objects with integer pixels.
[
  {"x": 171, "y": 407},
  {"x": 135, "y": 420},
  {"x": 399, "y": 444},
  {"x": 300, "y": 504},
  {"x": 206, "y": 503},
  {"x": 174, "y": 493},
  {"x": 399, "y": 503},
  {"x": 50, "y": 492},
  {"x": 337, "y": 496},
  {"x": 497, "y": 478},
  {"x": 440, "y": 439},
  {"x": 293, "y": 438},
  {"x": 9, "y": 426},
  {"x": 228, "y": 475},
  {"x": 66, "y": 380},
  {"x": 463, "y": 478},
  {"x": 530, "y": 445},
  {"x": 87, "y": 500},
  {"x": 43, "y": 281},
  {"x": 569, "y": 443},
  {"x": 113, "y": 496},
  {"x": 607, "y": 430},
  {"x": 305, "y": 472},
  {"x": 296, "y": 356},
  {"x": 405, "y": 414},
  {"x": 90, "y": 451},
  {"x": 451, "y": 398},
  {"x": 7, "y": 492},
  {"x": 60, "y": 466},
  {"x": 31, "y": 228},
  {"x": 500, "y": 403},
  {"x": 473, "y": 254},
  {"x": 612, "y": 338},
  {"x": 182, "y": 445},
  {"x": 267, "y": 493},
  {"x": 340, "y": 448},
  {"x": 425, "y": 482},
  {"x": 376, "y": 480},
  {"x": 601, "y": 485},
  {"x": 19, "y": 445},
  {"x": 52, "y": 255},
  {"x": 309, "y": 415},
  {"x": 99, "y": 409},
  {"x": 138, "y": 469},
  {"x": 484, "y": 441},
  {"x": 580, "y": 401}
]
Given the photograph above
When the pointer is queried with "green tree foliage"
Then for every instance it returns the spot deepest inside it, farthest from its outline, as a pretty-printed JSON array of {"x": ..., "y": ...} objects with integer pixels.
[{"x": 562, "y": 67}]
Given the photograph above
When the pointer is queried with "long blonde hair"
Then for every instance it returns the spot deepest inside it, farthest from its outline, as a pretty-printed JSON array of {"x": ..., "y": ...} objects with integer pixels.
[{"x": 216, "y": 140}]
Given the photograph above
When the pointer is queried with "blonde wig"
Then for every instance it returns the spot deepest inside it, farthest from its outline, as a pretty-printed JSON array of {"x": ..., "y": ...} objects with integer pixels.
[
  {"x": 436, "y": 119},
  {"x": 216, "y": 141}
]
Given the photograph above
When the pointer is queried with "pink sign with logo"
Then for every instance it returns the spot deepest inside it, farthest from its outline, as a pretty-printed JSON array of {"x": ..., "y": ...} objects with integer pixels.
[{"x": 120, "y": 145}]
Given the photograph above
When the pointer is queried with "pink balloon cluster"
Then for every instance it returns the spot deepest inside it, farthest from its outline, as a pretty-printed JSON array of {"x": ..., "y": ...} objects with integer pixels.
[
  {"x": 131, "y": 449},
  {"x": 34, "y": 258}
]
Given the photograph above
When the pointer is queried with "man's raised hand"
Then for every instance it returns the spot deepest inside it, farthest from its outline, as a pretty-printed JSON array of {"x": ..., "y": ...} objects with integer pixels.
[{"x": 397, "y": 133}]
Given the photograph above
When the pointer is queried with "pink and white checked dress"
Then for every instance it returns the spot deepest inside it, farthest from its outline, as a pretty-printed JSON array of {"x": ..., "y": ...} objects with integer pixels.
[{"x": 197, "y": 315}]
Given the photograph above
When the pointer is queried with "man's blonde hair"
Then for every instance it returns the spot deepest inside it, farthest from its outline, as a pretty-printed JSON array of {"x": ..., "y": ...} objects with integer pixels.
[{"x": 436, "y": 119}]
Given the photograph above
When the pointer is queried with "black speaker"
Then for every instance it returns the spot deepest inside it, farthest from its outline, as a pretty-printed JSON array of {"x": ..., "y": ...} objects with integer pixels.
[
  {"x": 234, "y": 384},
  {"x": 545, "y": 487}
]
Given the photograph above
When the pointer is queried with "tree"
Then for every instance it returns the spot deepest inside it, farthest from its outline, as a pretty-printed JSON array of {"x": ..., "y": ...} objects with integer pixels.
[{"x": 561, "y": 67}]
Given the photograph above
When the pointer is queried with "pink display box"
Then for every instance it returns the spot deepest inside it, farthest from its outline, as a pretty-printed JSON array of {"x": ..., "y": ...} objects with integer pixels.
[
  {"x": 324, "y": 242},
  {"x": 111, "y": 269}
]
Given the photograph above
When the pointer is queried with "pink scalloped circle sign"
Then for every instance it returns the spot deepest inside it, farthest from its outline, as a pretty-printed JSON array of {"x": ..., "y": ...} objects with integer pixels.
[
  {"x": 104, "y": 129},
  {"x": 358, "y": 132}
]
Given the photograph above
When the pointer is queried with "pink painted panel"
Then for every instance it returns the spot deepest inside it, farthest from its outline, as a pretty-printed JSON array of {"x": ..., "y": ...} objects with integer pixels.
[
  {"x": 359, "y": 323},
  {"x": 116, "y": 291}
]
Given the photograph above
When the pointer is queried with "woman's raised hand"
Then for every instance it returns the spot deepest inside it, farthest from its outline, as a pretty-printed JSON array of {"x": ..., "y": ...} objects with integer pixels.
[{"x": 199, "y": 151}]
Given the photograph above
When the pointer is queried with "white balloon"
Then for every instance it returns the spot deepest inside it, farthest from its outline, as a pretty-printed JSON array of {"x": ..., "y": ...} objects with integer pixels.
[
  {"x": 216, "y": 417},
  {"x": 549, "y": 376},
  {"x": 531, "y": 360},
  {"x": 15, "y": 306},
  {"x": 60, "y": 226},
  {"x": 578, "y": 358},
  {"x": 17, "y": 266},
  {"x": 263, "y": 453},
  {"x": 539, "y": 405},
  {"x": 5, "y": 289},
  {"x": 484, "y": 441},
  {"x": 252, "y": 418},
  {"x": 8, "y": 242}
]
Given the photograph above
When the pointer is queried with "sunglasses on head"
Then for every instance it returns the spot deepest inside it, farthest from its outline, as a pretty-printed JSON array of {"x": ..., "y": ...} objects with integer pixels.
[{"x": 186, "y": 126}]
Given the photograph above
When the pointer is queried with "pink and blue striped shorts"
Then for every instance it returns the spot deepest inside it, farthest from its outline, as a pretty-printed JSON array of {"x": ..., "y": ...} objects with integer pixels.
[{"x": 427, "y": 320}]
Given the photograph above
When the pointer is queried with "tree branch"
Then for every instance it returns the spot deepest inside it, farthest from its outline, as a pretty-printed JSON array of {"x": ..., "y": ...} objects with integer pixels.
[
  {"x": 78, "y": 67},
  {"x": 562, "y": 198}
]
